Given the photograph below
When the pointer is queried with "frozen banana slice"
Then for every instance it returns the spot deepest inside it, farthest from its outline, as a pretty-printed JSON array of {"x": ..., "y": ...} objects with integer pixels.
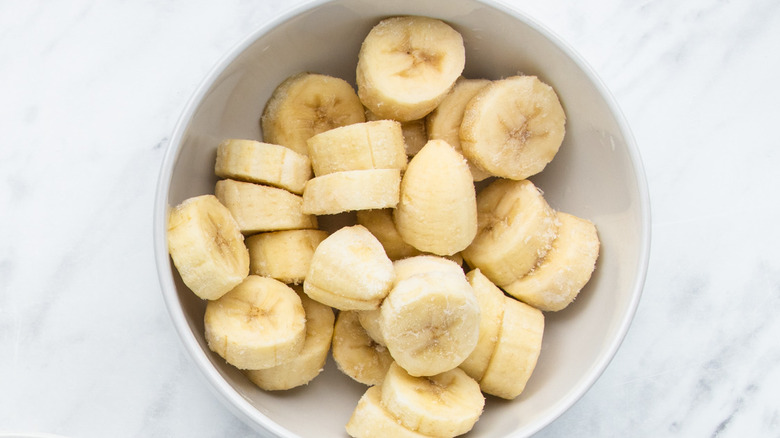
[
  {"x": 370, "y": 419},
  {"x": 262, "y": 163},
  {"x": 415, "y": 136},
  {"x": 491, "y": 312},
  {"x": 380, "y": 223},
  {"x": 423, "y": 263},
  {"x": 371, "y": 320},
  {"x": 283, "y": 255},
  {"x": 352, "y": 190},
  {"x": 356, "y": 354}
]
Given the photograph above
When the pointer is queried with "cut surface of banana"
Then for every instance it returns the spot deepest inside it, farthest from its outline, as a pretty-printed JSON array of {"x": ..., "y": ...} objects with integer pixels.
[
  {"x": 352, "y": 190},
  {"x": 513, "y": 127},
  {"x": 565, "y": 269},
  {"x": 407, "y": 64},
  {"x": 259, "y": 324},
  {"x": 262, "y": 163},
  {"x": 371, "y": 420},
  {"x": 306, "y": 104},
  {"x": 283, "y": 255},
  {"x": 356, "y": 354},
  {"x": 207, "y": 247},
  {"x": 310, "y": 361},
  {"x": 491, "y": 312}
]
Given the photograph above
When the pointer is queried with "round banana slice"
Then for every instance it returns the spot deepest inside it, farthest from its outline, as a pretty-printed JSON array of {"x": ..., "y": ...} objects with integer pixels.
[
  {"x": 491, "y": 312},
  {"x": 415, "y": 136},
  {"x": 352, "y": 190},
  {"x": 371, "y": 420},
  {"x": 356, "y": 354},
  {"x": 513, "y": 127},
  {"x": 262, "y": 163},
  {"x": 310, "y": 361},
  {"x": 259, "y": 324},
  {"x": 516, "y": 229},
  {"x": 207, "y": 247},
  {"x": 406, "y": 65},
  {"x": 563, "y": 272},
  {"x": 283, "y": 255},
  {"x": 444, "y": 405},
  {"x": 306, "y": 104}
]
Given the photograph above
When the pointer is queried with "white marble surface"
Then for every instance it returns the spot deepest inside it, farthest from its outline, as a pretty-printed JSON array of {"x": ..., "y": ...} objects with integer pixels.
[{"x": 90, "y": 92}]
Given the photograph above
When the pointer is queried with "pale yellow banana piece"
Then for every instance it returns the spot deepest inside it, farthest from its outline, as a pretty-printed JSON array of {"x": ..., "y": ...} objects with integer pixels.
[
  {"x": 443, "y": 123},
  {"x": 421, "y": 264},
  {"x": 516, "y": 229},
  {"x": 380, "y": 223},
  {"x": 360, "y": 146},
  {"x": 513, "y": 127},
  {"x": 356, "y": 354},
  {"x": 207, "y": 247},
  {"x": 406, "y": 65},
  {"x": 517, "y": 350},
  {"x": 445, "y": 405},
  {"x": 491, "y": 311},
  {"x": 283, "y": 255},
  {"x": 259, "y": 324},
  {"x": 310, "y": 361},
  {"x": 558, "y": 278},
  {"x": 430, "y": 322},
  {"x": 415, "y": 136},
  {"x": 262, "y": 163},
  {"x": 352, "y": 190},
  {"x": 259, "y": 208},
  {"x": 306, "y": 104},
  {"x": 371, "y": 420},
  {"x": 350, "y": 271},
  {"x": 437, "y": 210},
  {"x": 371, "y": 320}
]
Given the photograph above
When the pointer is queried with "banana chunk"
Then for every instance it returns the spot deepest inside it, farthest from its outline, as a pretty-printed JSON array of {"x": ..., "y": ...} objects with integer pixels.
[
  {"x": 380, "y": 223},
  {"x": 352, "y": 190},
  {"x": 516, "y": 229},
  {"x": 356, "y": 354},
  {"x": 310, "y": 361},
  {"x": 424, "y": 263},
  {"x": 306, "y": 104},
  {"x": 437, "y": 210},
  {"x": 283, "y": 255},
  {"x": 371, "y": 420},
  {"x": 513, "y": 127},
  {"x": 262, "y": 163},
  {"x": 444, "y": 405},
  {"x": 349, "y": 271},
  {"x": 491, "y": 312},
  {"x": 414, "y": 133},
  {"x": 259, "y": 324},
  {"x": 563, "y": 272},
  {"x": 207, "y": 247},
  {"x": 406, "y": 65},
  {"x": 371, "y": 321}
]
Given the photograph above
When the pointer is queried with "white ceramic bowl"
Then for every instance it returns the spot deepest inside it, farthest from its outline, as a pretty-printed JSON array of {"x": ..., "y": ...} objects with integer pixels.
[{"x": 597, "y": 175}]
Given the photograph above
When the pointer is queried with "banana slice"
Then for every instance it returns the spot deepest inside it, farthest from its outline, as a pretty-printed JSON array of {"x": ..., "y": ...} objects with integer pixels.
[
  {"x": 310, "y": 361},
  {"x": 517, "y": 350},
  {"x": 421, "y": 264},
  {"x": 380, "y": 223},
  {"x": 371, "y": 420},
  {"x": 491, "y": 312},
  {"x": 306, "y": 104},
  {"x": 207, "y": 247},
  {"x": 406, "y": 65},
  {"x": 415, "y": 136},
  {"x": 349, "y": 271},
  {"x": 259, "y": 324},
  {"x": 444, "y": 405},
  {"x": 262, "y": 163},
  {"x": 516, "y": 229},
  {"x": 259, "y": 208},
  {"x": 513, "y": 127},
  {"x": 360, "y": 146},
  {"x": 352, "y": 190},
  {"x": 283, "y": 255},
  {"x": 443, "y": 123},
  {"x": 430, "y": 322},
  {"x": 356, "y": 354},
  {"x": 564, "y": 271},
  {"x": 437, "y": 211},
  {"x": 371, "y": 320}
]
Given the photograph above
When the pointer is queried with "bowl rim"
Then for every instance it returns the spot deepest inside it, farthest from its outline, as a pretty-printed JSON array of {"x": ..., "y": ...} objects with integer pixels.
[{"x": 226, "y": 393}]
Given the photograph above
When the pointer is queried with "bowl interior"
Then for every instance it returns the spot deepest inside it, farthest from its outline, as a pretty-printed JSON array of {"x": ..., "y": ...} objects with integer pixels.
[{"x": 596, "y": 175}]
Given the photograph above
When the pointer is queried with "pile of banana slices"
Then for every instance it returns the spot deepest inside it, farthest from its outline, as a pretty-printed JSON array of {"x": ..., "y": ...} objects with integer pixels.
[{"x": 434, "y": 295}]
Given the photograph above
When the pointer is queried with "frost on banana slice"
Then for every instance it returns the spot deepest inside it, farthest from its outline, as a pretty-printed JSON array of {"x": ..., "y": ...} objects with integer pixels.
[
  {"x": 306, "y": 104},
  {"x": 558, "y": 278},
  {"x": 259, "y": 208},
  {"x": 356, "y": 354},
  {"x": 207, "y": 247},
  {"x": 360, "y": 146},
  {"x": 310, "y": 361},
  {"x": 516, "y": 229},
  {"x": 352, "y": 190},
  {"x": 444, "y": 405},
  {"x": 349, "y": 271},
  {"x": 259, "y": 324},
  {"x": 437, "y": 211},
  {"x": 262, "y": 163},
  {"x": 283, "y": 255},
  {"x": 414, "y": 133},
  {"x": 371, "y": 420},
  {"x": 406, "y": 65},
  {"x": 430, "y": 322},
  {"x": 491, "y": 308},
  {"x": 513, "y": 127}
]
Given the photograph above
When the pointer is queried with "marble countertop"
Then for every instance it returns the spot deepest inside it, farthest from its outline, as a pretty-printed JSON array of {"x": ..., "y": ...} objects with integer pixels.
[{"x": 90, "y": 92}]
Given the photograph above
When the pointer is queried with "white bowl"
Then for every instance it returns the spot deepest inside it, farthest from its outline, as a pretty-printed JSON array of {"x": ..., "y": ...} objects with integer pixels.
[{"x": 596, "y": 175}]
